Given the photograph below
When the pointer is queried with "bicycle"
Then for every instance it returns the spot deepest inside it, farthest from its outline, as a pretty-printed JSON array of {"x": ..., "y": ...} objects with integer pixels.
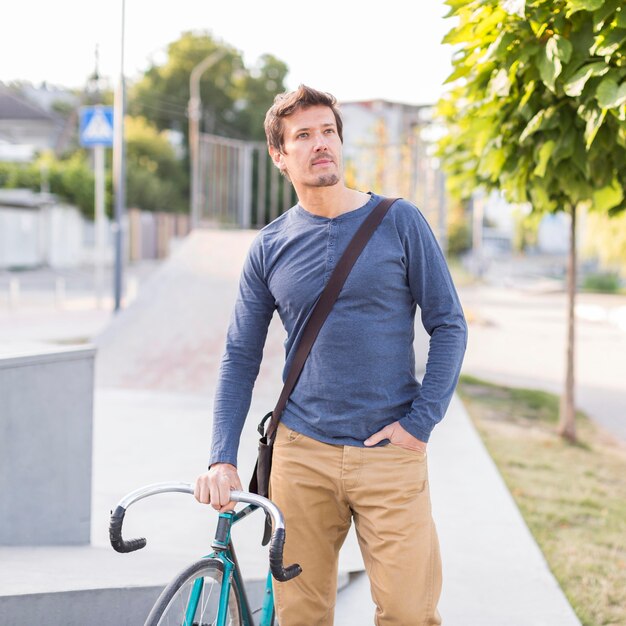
[{"x": 210, "y": 592}]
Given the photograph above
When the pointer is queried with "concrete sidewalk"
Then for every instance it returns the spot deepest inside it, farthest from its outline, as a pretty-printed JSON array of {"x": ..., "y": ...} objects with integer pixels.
[
  {"x": 157, "y": 367},
  {"x": 494, "y": 572}
]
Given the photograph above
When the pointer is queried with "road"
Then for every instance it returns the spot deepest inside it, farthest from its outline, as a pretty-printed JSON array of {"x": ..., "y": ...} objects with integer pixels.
[{"x": 518, "y": 337}]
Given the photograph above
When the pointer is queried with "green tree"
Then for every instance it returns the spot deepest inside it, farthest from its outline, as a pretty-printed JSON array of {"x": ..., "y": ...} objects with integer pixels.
[
  {"x": 162, "y": 94},
  {"x": 256, "y": 94},
  {"x": 234, "y": 98},
  {"x": 156, "y": 178},
  {"x": 537, "y": 108},
  {"x": 71, "y": 178}
]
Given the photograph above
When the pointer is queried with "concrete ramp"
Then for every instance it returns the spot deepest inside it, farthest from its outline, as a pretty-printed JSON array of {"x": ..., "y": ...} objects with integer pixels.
[{"x": 171, "y": 337}]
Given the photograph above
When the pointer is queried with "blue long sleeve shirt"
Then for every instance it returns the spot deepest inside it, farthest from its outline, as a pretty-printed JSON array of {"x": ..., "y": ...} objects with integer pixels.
[{"x": 360, "y": 374}]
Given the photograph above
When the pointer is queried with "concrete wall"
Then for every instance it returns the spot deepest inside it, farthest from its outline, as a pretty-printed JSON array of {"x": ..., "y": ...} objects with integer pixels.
[
  {"x": 19, "y": 240},
  {"x": 113, "y": 606},
  {"x": 58, "y": 236},
  {"x": 46, "y": 410},
  {"x": 49, "y": 235},
  {"x": 105, "y": 607},
  {"x": 64, "y": 226}
]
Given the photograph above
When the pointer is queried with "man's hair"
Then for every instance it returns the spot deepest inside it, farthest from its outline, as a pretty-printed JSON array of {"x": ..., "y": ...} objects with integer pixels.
[{"x": 287, "y": 103}]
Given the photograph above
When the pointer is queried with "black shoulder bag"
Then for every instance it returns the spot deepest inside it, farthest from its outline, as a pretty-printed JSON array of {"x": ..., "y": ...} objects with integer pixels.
[{"x": 260, "y": 481}]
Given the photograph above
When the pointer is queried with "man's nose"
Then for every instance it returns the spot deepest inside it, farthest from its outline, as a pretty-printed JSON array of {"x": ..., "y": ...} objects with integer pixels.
[{"x": 320, "y": 143}]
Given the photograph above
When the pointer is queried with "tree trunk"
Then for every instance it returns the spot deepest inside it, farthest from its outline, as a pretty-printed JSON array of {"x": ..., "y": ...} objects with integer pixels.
[{"x": 567, "y": 418}]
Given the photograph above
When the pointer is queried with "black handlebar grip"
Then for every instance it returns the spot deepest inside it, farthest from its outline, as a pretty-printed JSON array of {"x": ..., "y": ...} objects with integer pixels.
[
  {"x": 115, "y": 533},
  {"x": 281, "y": 573}
]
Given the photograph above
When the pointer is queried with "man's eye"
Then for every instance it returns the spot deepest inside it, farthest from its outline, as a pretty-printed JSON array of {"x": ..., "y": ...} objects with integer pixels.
[
  {"x": 302, "y": 135},
  {"x": 330, "y": 130}
]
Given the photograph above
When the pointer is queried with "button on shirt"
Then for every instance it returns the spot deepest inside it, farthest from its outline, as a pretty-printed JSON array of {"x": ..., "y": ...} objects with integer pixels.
[{"x": 360, "y": 374}]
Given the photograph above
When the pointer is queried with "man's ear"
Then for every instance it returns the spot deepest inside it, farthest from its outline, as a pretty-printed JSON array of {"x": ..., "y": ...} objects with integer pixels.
[{"x": 276, "y": 156}]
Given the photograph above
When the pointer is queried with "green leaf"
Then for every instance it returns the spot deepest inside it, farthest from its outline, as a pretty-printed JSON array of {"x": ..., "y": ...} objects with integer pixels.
[
  {"x": 610, "y": 95},
  {"x": 460, "y": 34},
  {"x": 603, "y": 12},
  {"x": 606, "y": 44},
  {"x": 576, "y": 83},
  {"x": 581, "y": 36},
  {"x": 499, "y": 85},
  {"x": 564, "y": 148},
  {"x": 538, "y": 27},
  {"x": 500, "y": 46},
  {"x": 514, "y": 188},
  {"x": 491, "y": 163},
  {"x": 593, "y": 126},
  {"x": 540, "y": 198},
  {"x": 557, "y": 51},
  {"x": 563, "y": 48},
  {"x": 528, "y": 92},
  {"x": 533, "y": 125},
  {"x": 583, "y": 5},
  {"x": 455, "y": 5},
  {"x": 620, "y": 20},
  {"x": 461, "y": 71},
  {"x": 549, "y": 63},
  {"x": 545, "y": 152},
  {"x": 545, "y": 119},
  {"x": 579, "y": 157},
  {"x": 608, "y": 197}
]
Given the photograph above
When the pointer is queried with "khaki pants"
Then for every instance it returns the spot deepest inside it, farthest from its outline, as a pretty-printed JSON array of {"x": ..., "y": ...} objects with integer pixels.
[{"x": 320, "y": 488}]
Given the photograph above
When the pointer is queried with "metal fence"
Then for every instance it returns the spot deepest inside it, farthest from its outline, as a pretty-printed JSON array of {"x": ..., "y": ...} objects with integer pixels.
[{"x": 239, "y": 185}]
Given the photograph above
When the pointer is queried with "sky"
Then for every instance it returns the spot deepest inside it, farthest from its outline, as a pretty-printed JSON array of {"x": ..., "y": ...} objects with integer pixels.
[{"x": 356, "y": 50}]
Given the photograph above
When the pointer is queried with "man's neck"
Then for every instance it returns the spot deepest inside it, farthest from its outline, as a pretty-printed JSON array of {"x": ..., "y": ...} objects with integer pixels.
[{"x": 331, "y": 201}]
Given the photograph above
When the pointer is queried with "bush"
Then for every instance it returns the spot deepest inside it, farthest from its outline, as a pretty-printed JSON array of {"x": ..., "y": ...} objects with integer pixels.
[
  {"x": 459, "y": 238},
  {"x": 602, "y": 283}
]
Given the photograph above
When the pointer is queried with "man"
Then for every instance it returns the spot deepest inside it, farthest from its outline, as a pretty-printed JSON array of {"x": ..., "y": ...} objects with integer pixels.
[{"x": 351, "y": 444}]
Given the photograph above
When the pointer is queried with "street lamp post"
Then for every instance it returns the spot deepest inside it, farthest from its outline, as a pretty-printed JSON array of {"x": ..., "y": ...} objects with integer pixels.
[
  {"x": 194, "y": 111},
  {"x": 119, "y": 173}
]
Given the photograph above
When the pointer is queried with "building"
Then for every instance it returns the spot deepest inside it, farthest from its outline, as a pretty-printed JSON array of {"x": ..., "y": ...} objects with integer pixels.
[
  {"x": 389, "y": 149},
  {"x": 27, "y": 127}
]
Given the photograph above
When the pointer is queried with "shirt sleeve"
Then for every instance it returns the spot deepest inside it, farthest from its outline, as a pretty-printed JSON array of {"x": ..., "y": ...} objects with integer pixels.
[
  {"x": 242, "y": 357},
  {"x": 442, "y": 316}
]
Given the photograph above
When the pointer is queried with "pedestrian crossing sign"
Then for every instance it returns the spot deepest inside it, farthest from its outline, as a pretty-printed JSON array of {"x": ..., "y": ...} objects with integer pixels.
[{"x": 96, "y": 126}]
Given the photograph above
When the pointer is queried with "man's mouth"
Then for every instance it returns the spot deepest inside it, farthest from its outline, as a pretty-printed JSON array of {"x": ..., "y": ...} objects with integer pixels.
[{"x": 322, "y": 162}]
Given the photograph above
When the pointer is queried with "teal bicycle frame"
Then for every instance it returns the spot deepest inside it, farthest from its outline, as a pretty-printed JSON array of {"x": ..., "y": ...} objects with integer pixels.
[{"x": 225, "y": 553}]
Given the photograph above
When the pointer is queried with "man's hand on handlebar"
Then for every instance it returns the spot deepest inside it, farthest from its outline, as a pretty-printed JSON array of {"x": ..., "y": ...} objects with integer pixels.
[{"x": 214, "y": 487}]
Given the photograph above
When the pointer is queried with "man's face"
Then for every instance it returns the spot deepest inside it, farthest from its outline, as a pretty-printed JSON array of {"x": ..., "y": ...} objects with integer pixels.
[{"x": 311, "y": 153}]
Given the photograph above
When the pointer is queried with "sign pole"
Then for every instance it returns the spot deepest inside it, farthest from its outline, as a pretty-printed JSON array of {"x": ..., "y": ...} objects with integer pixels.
[
  {"x": 100, "y": 222},
  {"x": 96, "y": 131}
]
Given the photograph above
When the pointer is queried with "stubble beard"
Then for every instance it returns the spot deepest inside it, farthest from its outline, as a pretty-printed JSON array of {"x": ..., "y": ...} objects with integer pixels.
[{"x": 326, "y": 180}]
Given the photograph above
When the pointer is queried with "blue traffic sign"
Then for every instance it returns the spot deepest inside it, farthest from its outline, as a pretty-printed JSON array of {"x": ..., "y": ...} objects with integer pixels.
[{"x": 96, "y": 126}]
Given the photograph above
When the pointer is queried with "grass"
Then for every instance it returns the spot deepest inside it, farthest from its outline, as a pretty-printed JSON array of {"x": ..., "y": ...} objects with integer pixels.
[
  {"x": 573, "y": 497},
  {"x": 602, "y": 283}
]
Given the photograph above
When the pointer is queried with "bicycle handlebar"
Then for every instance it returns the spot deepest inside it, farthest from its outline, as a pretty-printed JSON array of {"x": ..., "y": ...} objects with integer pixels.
[{"x": 279, "y": 571}]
